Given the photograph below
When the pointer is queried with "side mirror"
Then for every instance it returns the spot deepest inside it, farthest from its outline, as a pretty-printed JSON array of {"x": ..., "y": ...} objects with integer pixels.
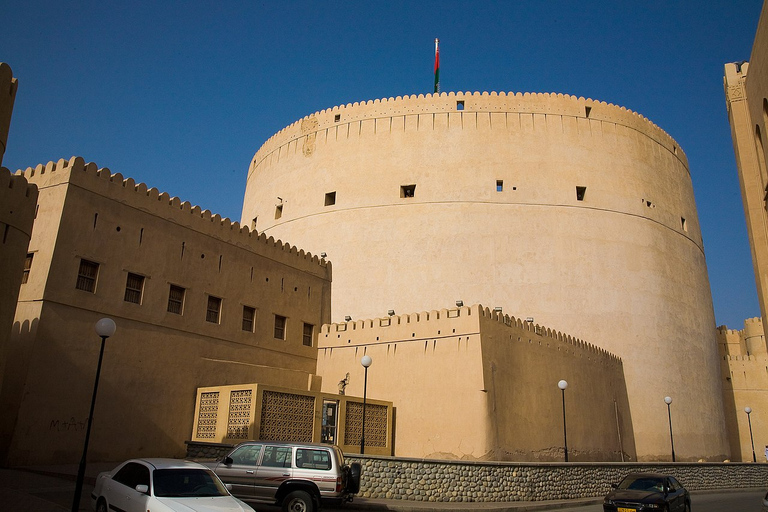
[
  {"x": 143, "y": 489},
  {"x": 228, "y": 460}
]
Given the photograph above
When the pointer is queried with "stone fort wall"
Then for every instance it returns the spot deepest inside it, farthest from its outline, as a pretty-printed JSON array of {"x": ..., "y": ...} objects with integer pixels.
[
  {"x": 578, "y": 213},
  {"x": 159, "y": 355},
  {"x": 469, "y": 383}
]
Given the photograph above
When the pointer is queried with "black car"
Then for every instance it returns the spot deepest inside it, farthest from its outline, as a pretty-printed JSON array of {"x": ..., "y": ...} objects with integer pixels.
[{"x": 643, "y": 492}]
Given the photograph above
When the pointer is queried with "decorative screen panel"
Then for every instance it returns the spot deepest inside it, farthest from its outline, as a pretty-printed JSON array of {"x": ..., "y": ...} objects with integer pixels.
[
  {"x": 287, "y": 417},
  {"x": 206, "y": 419},
  {"x": 375, "y": 424},
  {"x": 239, "y": 419}
]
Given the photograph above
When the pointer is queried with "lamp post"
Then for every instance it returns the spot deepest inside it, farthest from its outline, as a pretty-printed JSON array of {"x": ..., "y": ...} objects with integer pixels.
[
  {"x": 748, "y": 410},
  {"x": 366, "y": 362},
  {"x": 104, "y": 328},
  {"x": 668, "y": 401},
  {"x": 562, "y": 385}
]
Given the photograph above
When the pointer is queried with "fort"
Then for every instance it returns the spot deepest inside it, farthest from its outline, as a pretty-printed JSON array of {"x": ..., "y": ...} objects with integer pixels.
[{"x": 577, "y": 213}]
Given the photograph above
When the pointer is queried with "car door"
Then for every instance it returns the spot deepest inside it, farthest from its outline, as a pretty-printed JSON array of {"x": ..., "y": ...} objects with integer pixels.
[
  {"x": 275, "y": 468},
  {"x": 315, "y": 465},
  {"x": 241, "y": 473},
  {"x": 676, "y": 496},
  {"x": 120, "y": 491}
]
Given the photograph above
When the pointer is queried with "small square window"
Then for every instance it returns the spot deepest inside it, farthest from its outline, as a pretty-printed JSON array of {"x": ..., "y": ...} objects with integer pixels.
[
  {"x": 27, "y": 267},
  {"x": 249, "y": 314},
  {"x": 280, "y": 327},
  {"x": 407, "y": 190},
  {"x": 499, "y": 185},
  {"x": 309, "y": 331},
  {"x": 330, "y": 198},
  {"x": 213, "y": 311},
  {"x": 278, "y": 211},
  {"x": 134, "y": 286},
  {"x": 86, "y": 276},
  {"x": 337, "y": 118},
  {"x": 176, "y": 299},
  {"x": 460, "y": 105},
  {"x": 580, "y": 191}
]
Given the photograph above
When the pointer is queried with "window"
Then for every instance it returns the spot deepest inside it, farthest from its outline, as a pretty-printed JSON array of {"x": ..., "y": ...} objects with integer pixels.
[
  {"x": 337, "y": 118},
  {"x": 246, "y": 455},
  {"x": 499, "y": 185},
  {"x": 280, "y": 327},
  {"x": 86, "y": 276},
  {"x": 278, "y": 211},
  {"x": 580, "y": 191},
  {"x": 460, "y": 105},
  {"x": 134, "y": 285},
  {"x": 683, "y": 224},
  {"x": 307, "y": 458},
  {"x": 330, "y": 198},
  {"x": 27, "y": 267},
  {"x": 176, "y": 299},
  {"x": 213, "y": 310},
  {"x": 249, "y": 314},
  {"x": 407, "y": 190},
  {"x": 133, "y": 474},
  {"x": 277, "y": 456},
  {"x": 309, "y": 330}
]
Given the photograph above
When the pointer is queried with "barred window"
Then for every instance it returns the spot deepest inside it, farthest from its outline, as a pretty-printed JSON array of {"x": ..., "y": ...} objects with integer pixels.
[
  {"x": 280, "y": 327},
  {"x": 176, "y": 299},
  {"x": 308, "y": 332},
  {"x": 134, "y": 286},
  {"x": 213, "y": 310},
  {"x": 249, "y": 314},
  {"x": 86, "y": 276},
  {"x": 27, "y": 267}
]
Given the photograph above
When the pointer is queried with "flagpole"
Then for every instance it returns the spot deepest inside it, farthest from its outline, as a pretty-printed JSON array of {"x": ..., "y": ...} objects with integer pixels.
[{"x": 437, "y": 66}]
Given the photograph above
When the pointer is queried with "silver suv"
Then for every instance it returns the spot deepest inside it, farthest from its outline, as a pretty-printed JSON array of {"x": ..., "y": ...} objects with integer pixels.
[{"x": 298, "y": 477}]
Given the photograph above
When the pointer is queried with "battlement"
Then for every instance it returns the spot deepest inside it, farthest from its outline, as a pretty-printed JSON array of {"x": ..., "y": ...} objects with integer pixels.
[
  {"x": 432, "y": 324},
  {"x": 463, "y": 103},
  {"x": 18, "y": 185},
  {"x": 125, "y": 190}
]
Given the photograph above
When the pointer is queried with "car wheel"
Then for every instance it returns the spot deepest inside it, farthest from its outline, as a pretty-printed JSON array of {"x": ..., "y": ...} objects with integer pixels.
[
  {"x": 298, "y": 501},
  {"x": 101, "y": 506},
  {"x": 687, "y": 507}
]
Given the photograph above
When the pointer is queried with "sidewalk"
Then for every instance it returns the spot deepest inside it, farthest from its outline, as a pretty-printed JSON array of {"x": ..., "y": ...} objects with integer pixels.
[{"x": 51, "y": 488}]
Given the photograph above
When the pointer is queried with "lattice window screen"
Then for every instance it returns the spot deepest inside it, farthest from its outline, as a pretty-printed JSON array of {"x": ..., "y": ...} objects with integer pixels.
[
  {"x": 375, "y": 424},
  {"x": 239, "y": 414},
  {"x": 206, "y": 419},
  {"x": 287, "y": 417}
]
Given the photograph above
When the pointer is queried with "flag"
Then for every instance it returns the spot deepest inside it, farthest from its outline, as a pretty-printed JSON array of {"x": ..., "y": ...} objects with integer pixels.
[{"x": 437, "y": 66}]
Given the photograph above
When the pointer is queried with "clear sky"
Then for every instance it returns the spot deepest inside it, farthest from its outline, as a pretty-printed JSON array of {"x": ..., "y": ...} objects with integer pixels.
[{"x": 180, "y": 95}]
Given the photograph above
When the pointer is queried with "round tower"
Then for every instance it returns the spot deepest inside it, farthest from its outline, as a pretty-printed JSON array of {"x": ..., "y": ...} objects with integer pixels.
[{"x": 575, "y": 212}]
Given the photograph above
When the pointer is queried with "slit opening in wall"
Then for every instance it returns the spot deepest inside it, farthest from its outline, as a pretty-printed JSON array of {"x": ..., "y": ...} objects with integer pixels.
[
  {"x": 460, "y": 105},
  {"x": 587, "y": 111},
  {"x": 580, "y": 192},
  {"x": 330, "y": 198},
  {"x": 337, "y": 118},
  {"x": 683, "y": 224},
  {"x": 499, "y": 185},
  {"x": 278, "y": 211},
  {"x": 407, "y": 190}
]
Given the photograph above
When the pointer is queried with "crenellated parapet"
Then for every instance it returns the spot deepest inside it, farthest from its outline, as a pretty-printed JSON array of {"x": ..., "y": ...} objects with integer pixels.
[
  {"x": 492, "y": 105},
  {"x": 138, "y": 195},
  {"x": 449, "y": 323},
  {"x": 19, "y": 198}
]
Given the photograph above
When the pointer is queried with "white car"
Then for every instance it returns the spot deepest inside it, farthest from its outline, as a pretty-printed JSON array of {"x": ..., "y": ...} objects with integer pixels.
[{"x": 163, "y": 485}]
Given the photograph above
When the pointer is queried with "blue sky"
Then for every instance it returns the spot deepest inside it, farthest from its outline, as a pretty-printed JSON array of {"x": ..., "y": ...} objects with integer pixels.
[{"x": 180, "y": 95}]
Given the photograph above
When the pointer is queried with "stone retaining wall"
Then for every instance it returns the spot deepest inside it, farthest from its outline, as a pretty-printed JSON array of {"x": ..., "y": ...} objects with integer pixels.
[{"x": 461, "y": 481}]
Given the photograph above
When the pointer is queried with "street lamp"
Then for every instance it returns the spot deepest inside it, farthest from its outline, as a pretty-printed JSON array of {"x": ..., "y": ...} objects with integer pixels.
[
  {"x": 104, "y": 328},
  {"x": 748, "y": 410},
  {"x": 562, "y": 385},
  {"x": 668, "y": 401},
  {"x": 366, "y": 362}
]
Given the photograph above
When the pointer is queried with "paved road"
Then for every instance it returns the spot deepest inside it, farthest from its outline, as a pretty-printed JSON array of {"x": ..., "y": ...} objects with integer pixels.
[{"x": 706, "y": 502}]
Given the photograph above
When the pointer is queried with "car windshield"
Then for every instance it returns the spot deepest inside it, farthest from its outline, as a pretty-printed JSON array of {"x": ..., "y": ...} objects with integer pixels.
[
  {"x": 187, "y": 483},
  {"x": 642, "y": 483}
]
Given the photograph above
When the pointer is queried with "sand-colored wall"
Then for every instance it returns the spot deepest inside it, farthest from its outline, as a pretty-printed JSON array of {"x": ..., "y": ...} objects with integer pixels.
[
  {"x": 623, "y": 267},
  {"x": 744, "y": 367},
  {"x": 8, "y": 87},
  {"x": 468, "y": 383},
  {"x": 156, "y": 360}
]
